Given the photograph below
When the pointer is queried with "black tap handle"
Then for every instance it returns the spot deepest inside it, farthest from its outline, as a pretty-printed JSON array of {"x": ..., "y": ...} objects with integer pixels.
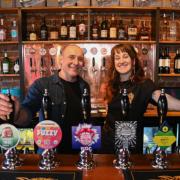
[
  {"x": 10, "y": 117},
  {"x": 42, "y": 62},
  {"x": 124, "y": 103},
  {"x": 52, "y": 62},
  {"x": 31, "y": 63},
  {"x": 104, "y": 62},
  {"x": 93, "y": 62},
  {"x": 162, "y": 106},
  {"x": 84, "y": 102}
]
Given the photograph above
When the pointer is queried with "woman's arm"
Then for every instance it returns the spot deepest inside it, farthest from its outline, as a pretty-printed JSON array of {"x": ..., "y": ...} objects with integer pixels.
[{"x": 173, "y": 103}]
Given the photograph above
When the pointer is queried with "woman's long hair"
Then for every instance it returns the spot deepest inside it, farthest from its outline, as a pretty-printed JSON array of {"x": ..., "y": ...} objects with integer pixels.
[{"x": 137, "y": 73}]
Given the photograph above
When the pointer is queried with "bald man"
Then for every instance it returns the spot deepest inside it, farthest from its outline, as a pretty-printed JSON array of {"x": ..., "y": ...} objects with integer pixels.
[{"x": 65, "y": 90}]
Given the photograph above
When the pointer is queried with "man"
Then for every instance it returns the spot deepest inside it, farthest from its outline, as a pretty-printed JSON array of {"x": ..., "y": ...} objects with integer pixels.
[{"x": 65, "y": 89}]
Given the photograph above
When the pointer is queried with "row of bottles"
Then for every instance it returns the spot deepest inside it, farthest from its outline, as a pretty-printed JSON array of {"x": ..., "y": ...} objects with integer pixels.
[
  {"x": 78, "y": 30},
  {"x": 8, "y": 34},
  {"x": 8, "y": 66},
  {"x": 164, "y": 65}
]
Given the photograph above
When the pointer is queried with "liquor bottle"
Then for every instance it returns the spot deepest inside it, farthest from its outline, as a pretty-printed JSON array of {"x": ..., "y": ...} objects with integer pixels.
[
  {"x": 16, "y": 66},
  {"x": 162, "y": 107},
  {"x": 54, "y": 33},
  {"x": 164, "y": 31},
  {"x": 113, "y": 29},
  {"x": 173, "y": 29},
  {"x": 95, "y": 29},
  {"x": 124, "y": 104},
  {"x": 63, "y": 30},
  {"x": 144, "y": 32},
  {"x": 177, "y": 62},
  {"x": 32, "y": 33},
  {"x": 104, "y": 29},
  {"x": 132, "y": 31},
  {"x": 72, "y": 29},
  {"x": 10, "y": 117},
  {"x": 6, "y": 64},
  {"x": 14, "y": 32},
  {"x": 46, "y": 105},
  {"x": 44, "y": 30},
  {"x": 3, "y": 30},
  {"x": 167, "y": 59},
  {"x": 161, "y": 62},
  {"x": 82, "y": 29},
  {"x": 147, "y": 72},
  {"x": 122, "y": 35}
]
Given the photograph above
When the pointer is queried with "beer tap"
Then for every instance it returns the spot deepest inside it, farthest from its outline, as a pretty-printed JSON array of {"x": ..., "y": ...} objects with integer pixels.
[
  {"x": 52, "y": 69},
  {"x": 122, "y": 157},
  {"x": 160, "y": 161},
  {"x": 162, "y": 106},
  {"x": 42, "y": 68}
]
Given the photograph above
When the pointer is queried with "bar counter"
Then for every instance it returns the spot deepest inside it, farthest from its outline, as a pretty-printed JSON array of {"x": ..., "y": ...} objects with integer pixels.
[{"x": 104, "y": 168}]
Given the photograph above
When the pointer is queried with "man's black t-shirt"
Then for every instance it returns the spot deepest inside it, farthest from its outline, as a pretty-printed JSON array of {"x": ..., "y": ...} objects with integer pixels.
[
  {"x": 73, "y": 114},
  {"x": 139, "y": 95}
]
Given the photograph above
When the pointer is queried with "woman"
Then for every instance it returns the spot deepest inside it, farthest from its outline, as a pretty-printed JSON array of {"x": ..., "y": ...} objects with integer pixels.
[{"x": 127, "y": 73}]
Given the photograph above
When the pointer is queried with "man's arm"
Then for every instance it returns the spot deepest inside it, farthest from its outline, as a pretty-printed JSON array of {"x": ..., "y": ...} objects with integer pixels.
[{"x": 173, "y": 103}]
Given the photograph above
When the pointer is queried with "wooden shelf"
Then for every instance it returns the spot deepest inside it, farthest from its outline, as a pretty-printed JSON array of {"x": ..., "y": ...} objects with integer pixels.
[
  {"x": 9, "y": 75},
  {"x": 8, "y": 10},
  {"x": 169, "y": 42},
  {"x": 169, "y": 75},
  {"x": 8, "y": 42},
  {"x": 89, "y": 41},
  {"x": 153, "y": 113}
]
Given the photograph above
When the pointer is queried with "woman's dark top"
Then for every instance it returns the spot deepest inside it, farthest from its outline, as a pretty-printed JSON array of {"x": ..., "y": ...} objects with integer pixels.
[{"x": 139, "y": 96}]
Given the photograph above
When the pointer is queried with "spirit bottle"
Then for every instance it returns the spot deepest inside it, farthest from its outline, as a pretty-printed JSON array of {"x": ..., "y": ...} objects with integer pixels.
[
  {"x": 173, "y": 29},
  {"x": 95, "y": 30},
  {"x": 16, "y": 66},
  {"x": 113, "y": 29},
  {"x": 144, "y": 32},
  {"x": 164, "y": 33},
  {"x": 132, "y": 31},
  {"x": 82, "y": 29},
  {"x": 2, "y": 30},
  {"x": 122, "y": 35},
  {"x": 54, "y": 33},
  {"x": 14, "y": 32},
  {"x": 72, "y": 29},
  {"x": 104, "y": 29},
  {"x": 44, "y": 30},
  {"x": 63, "y": 30},
  {"x": 32, "y": 33}
]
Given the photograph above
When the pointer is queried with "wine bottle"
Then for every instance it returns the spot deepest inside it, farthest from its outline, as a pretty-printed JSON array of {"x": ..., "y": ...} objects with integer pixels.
[
  {"x": 6, "y": 64},
  {"x": 161, "y": 62},
  {"x": 46, "y": 105},
  {"x": 167, "y": 59},
  {"x": 177, "y": 62},
  {"x": 72, "y": 29}
]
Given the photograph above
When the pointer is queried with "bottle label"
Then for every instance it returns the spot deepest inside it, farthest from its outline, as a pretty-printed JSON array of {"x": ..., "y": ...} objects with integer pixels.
[
  {"x": 16, "y": 68},
  {"x": 53, "y": 35},
  {"x": 32, "y": 37},
  {"x": 82, "y": 29},
  {"x": 2, "y": 35},
  {"x": 121, "y": 34},
  {"x": 13, "y": 33},
  {"x": 104, "y": 33},
  {"x": 161, "y": 63},
  {"x": 177, "y": 64},
  {"x": 113, "y": 32},
  {"x": 132, "y": 31},
  {"x": 72, "y": 32},
  {"x": 63, "y": 31},
  {"x": 167, "y": 63},
  {"x": 43, "y": 34},
  {"x": 95, "y": 33},
  {"x": 5, "y": 67}
]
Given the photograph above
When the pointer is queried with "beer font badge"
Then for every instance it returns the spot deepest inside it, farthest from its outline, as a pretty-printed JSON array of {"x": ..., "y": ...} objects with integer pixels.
[
  {"x": 165, "y": 136},
  {"x": 9, "y": 136},
  {"x": 86, "y": 135},
  {"x": 47, "y": 134},
  {"x": 125, "y": 133}
]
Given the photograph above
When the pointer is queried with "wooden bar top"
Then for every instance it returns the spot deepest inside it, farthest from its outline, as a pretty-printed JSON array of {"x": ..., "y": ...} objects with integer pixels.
[{"x": 104, "y": 168}]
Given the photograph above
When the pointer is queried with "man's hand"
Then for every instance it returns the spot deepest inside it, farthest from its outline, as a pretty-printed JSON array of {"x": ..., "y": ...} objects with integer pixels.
[{"x": 6, "y": 106}]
